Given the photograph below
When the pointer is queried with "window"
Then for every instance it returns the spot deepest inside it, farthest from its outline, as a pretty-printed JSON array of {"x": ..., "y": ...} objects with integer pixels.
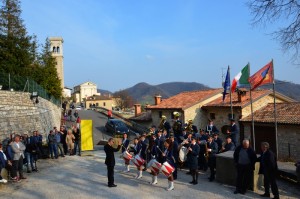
[
  {"x": 57, "y": 49},
  {"x": 160, "y": 114},
  {"x": 212, "y": 116},
  {"x": 54, "y": 49},
  {"x": 104, "y": 104}
]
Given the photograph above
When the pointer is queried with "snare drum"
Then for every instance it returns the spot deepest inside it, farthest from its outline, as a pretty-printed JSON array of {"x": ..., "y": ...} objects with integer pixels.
[
  {"x": 127, "y": 156},
  {"x": 138, "y": 161},
  {"x": 154, "y": 165},
  {"x": 167, "y": 169}
]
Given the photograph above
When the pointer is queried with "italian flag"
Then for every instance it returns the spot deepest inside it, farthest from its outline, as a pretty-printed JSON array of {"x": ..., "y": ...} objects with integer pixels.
[{"x": 241, "y": 78}]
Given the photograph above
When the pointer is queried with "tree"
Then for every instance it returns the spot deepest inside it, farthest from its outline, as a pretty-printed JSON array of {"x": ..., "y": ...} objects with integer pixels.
[
  {"x": 123, "y": 99},
  {"x": 17, "y": 49},
  {"x": 271, "y": 11}
]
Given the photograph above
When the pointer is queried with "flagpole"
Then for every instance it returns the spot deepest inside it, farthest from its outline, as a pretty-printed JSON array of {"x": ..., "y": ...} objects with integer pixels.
[
  {"x": 252, "y": 116},
  {"x": 275, "y": 113},
  {"x": 231, "y": 109}
]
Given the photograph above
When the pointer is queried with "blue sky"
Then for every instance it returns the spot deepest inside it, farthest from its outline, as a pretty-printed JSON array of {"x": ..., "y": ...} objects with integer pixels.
[{"x": 118, "y": 43}]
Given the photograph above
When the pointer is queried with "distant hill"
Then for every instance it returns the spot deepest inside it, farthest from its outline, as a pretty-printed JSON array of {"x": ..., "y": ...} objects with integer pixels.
[
  {"x": 144, "y": 92},
  {"x": 289, "y": 89},
  {"x": 103, "y": 92}
]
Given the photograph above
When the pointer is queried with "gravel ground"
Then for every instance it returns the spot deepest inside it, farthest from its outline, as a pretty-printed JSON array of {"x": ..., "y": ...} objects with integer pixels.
[{"x": 85, "y": 177}]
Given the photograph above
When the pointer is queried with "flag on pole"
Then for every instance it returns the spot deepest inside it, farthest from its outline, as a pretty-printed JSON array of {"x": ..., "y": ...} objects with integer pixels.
[
  {"x": 241, "y": 78},
  {"x": 226, "y": 84},
  {"x": 263, "y": 76}
]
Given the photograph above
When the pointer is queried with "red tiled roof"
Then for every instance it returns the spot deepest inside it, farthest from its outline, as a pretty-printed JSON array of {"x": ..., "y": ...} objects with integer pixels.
[
  {"x": 286, "y": 113},
  {"x": 234, "y": 97},
  {"x": 98, "y": 97},
  {"x": 185, "y": 99}
]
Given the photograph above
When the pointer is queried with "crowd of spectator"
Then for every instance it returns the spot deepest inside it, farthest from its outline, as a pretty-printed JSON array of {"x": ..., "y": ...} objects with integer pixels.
[{"x": 21, "y": 152}]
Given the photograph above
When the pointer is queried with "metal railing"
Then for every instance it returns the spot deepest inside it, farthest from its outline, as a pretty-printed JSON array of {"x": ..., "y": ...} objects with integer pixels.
[{"x": 25, "y": 84}]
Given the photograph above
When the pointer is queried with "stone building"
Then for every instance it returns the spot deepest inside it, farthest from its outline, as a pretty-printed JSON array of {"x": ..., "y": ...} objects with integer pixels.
[
  {"x": 84, "y": 90},
  {"x": 99, "y": 101},
  {"x": 187, "y": 103},
  {"x": 56, "y": 45},
  {"x": 288, "y": 129},
  {"x": 220, "y": 112}
]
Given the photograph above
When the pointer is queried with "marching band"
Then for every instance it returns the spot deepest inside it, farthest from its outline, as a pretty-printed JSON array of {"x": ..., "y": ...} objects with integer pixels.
[{"x": 161, "y": 151}]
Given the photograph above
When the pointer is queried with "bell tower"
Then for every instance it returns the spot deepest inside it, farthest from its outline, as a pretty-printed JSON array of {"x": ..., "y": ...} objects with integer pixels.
[{"x": 56, "y": 47}]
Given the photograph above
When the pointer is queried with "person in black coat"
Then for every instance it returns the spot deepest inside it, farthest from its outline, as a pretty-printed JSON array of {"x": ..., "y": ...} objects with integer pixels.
[
  {"x": 229, "y": 146},
  {"x": 268, "y": 167},
  {"x": 212, "y": 150},
  {"x": 175, "y": 154},
  {"x": 125, "y": 145},
  {"x": 211, "y": 128},
  {"x": 219, "y": 142},
  {"x": 141, "y": 151},
  {"x": 3, "y": 163},
  {"x": 192, "y": 158},
  {"x": 244, "y": 158},
  {"x": 233, "y": 132},
  {"x": 110, "y": 161}
]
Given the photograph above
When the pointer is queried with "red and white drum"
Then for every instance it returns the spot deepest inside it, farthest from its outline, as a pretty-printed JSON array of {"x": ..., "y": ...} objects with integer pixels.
[
  {"x": 127, "y": 156},
  {"x": 154, "y": 165},
  {"x": 167, "y": 169},
  {"x": 138, "y": 161}
]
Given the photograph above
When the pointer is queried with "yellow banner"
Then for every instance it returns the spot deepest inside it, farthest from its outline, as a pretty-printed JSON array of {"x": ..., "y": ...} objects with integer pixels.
[{"x": 86, "y": 135}]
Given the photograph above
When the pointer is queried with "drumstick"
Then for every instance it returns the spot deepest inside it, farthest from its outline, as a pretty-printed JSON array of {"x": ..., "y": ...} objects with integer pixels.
[{"x": 159, "y": 149}]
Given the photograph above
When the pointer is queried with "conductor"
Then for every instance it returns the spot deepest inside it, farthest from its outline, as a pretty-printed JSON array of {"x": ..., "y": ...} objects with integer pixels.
[{"x": 110, "y": 160}]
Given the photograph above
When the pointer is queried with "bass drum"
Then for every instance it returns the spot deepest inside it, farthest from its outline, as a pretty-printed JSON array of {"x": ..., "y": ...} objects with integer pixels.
[
  {"x": 182, "y": 154},
  {"x": 167, "y": 169}
]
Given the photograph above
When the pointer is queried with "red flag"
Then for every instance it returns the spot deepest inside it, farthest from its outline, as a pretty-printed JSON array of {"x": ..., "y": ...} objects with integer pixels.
[{"x": 263, "y": 76}]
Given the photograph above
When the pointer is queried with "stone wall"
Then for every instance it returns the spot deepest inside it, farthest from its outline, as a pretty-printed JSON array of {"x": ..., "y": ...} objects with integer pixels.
[
  {"x": 19, "y": 114},
  {"x": 288, "y": 140}
]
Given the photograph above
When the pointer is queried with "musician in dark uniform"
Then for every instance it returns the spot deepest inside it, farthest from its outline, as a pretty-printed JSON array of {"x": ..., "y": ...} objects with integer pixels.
[
  {"x": 110, "y": 161},
  {"x": 141, "y": 150},
  {"x": 268, "y": 167},
  {"x": 233, "y": 132},
  {"x": 160, "y": 143},
  {"x": 177, "y": 126},
  {"x": 125, "y": 145},
  {"x": 202, "y": 162},
  {"x": 219, "y": 141},
  {"x": 175, "y": 154},
  {"x": 168, "y": 156},
  {"x": 153, "y": 152},
  {"x": 165, "y": 125},
  {"x": 211, "y": 128},
  {"x": 192, "y": 158},
  {"x": 212, "y": 150}
]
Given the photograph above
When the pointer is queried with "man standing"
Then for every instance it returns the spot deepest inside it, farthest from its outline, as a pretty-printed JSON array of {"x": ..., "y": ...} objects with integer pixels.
[
  {"x": 18, "y": 149},
  {"x": 268, "y": 167},
  {"x": 211, "y": 128},
  {"x": 233, "y": 132},
  {"x": 192, "y": 159},
  {"x": 244, "y": 158},
  {"x": 212, "y": 150},
  {"x": 3, "y": 163},
  {"x": 110, "y": 160}
]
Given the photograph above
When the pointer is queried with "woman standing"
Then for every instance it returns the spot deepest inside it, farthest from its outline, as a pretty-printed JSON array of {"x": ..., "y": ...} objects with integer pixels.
[
  {"x": 168, "y": 157},
  {"x": 70, "y": 138}
]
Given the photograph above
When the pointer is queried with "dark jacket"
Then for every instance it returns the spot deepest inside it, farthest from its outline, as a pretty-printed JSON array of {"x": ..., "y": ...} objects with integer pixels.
[
  {"x": 212, "y": 129},
  {"x": 251, "y": 155},
  {"x": 229, "y": 147},
  {"x": 141, "y": 149},
  {"x": 2, "y": 161},
  {"x": 268, "y": 163},
  {"x": 192, "y": 156},
  {"x": 125, "y": 145},
  {"x": 110, "y": 156}
]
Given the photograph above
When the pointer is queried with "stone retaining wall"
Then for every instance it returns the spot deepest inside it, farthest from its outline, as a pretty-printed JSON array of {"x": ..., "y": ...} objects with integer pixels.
[{"x": 19, "y": 114}]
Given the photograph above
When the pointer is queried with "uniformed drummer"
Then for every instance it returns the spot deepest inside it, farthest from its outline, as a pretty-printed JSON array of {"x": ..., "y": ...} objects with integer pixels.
[
  {"x": 175, "y": 154},
  {"x": 141, "y": 151},
  {"x": 192, "y": 158},
  {"x": 168, "y": 157},
  {"x": 125, "y": 145},
  {"x": 153, "y": 152}
]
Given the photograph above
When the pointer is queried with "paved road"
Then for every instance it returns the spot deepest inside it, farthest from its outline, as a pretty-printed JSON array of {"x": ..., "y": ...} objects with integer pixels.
[{"x": 85, "y": 177}]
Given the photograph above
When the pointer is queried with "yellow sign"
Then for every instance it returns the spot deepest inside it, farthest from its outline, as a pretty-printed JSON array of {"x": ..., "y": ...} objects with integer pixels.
[{"x": 86, "y": 135}]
